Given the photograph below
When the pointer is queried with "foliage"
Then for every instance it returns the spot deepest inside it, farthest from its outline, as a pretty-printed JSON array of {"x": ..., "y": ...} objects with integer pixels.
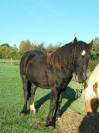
[
  {"x": 94, "y": 54},
  {"x": 8, "y": 52},
  {"x": 51, "y": 48},
  {"x": 95, "y": 51},
  {"x": 92, "y": 64},
  {"x": 25, "y": 46}
]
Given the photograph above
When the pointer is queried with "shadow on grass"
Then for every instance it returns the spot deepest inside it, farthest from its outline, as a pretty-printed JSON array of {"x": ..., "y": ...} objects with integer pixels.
[{"x": 69, "y": 95}]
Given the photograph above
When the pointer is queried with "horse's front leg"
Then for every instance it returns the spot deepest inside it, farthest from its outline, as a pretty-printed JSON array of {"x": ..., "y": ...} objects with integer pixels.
[
  {"x": 59, "y": 105},
  {"x": 53, "y": 106}
]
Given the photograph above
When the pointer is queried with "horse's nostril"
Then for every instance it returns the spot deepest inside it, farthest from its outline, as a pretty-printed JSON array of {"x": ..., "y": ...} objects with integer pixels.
[{"x": 81, "y": 80}]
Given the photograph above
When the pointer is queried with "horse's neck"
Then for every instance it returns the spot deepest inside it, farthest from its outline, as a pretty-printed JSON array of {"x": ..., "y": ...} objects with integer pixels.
[{"x": 68, "y": 72}]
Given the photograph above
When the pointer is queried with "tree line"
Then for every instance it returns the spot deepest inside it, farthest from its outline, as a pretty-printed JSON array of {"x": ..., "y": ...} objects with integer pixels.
[
  {"x": 9, "y": 52},
  {"x": 12, "y": 52}
]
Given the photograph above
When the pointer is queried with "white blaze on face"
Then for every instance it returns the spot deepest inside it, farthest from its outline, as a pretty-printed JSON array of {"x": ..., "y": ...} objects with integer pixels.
[{"x": 83, "y": 52}]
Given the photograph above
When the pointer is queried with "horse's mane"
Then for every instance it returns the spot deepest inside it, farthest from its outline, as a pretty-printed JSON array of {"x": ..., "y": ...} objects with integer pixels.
[
  {"x": 89, "y": 92},
  {"x": 61, "y": 56},
  {"x": 64, "y": 55}
]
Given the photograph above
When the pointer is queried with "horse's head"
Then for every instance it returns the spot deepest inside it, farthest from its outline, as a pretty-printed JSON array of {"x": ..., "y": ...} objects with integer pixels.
[
  {"x": 82, "y": 56},
  {"x": 91, "y": 93},
  {"x": 91, "y": 97}
]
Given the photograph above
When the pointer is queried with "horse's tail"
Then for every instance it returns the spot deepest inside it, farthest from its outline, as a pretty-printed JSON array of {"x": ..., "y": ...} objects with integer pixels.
[{"x": 24, "y": 61}]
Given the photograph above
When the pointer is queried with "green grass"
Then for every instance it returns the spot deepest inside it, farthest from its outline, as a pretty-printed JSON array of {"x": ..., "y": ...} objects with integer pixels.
[{"x": 11, "y": 102}]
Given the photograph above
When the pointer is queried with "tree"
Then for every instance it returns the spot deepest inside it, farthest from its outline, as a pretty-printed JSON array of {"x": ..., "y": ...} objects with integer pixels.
[
  {"x": 6, "y": 51},
  {"x": 25, "y": 46},
  {"x": 51, "y": 48},
  {"x": 95, "y": 49},
  {"x": 5, "y": 44},
  {"x": 39, "y": 47}
]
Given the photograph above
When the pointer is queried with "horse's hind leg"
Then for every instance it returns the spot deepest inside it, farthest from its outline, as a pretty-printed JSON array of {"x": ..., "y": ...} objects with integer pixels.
[
  {"x": 26, "y": 89},
  {"x": 31, "y": 99}
]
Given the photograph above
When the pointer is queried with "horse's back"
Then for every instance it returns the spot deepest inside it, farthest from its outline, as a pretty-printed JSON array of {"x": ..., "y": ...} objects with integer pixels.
[{"x": 27, "y": 57}]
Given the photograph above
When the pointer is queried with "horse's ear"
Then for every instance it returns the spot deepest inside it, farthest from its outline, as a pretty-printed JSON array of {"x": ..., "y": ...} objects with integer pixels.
[
  {"x": 75, "y": 40},
  {"x": 90, "y": 44}
]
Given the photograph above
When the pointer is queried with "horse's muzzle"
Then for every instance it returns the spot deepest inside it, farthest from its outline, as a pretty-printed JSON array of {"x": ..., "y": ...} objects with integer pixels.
[{"x": 82, "y": 79}]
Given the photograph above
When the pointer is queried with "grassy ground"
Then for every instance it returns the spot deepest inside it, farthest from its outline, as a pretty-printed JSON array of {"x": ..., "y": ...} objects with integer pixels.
[{"x": 11, "y": 102}]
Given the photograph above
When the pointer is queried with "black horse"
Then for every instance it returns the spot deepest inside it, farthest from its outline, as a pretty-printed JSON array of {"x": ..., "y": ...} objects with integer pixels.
[{"x": 53, "y": 71}]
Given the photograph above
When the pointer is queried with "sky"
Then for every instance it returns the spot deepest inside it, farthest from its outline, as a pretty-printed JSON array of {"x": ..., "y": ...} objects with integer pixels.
[{"x": 48, "y": 21}]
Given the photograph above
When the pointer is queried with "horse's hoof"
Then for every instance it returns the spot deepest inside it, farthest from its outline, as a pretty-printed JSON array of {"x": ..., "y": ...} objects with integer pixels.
[
  {"x": 58, "y": 115},
  {"x": 25, "y": 112},
  {"x": 33, "y": 111},
  {"x": 58, "y": 118},
  {"x": 50, "y": 124}
]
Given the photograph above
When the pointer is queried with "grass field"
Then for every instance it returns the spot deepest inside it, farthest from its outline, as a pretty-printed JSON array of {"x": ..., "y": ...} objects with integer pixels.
[{"x": 11, "y": 102}]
